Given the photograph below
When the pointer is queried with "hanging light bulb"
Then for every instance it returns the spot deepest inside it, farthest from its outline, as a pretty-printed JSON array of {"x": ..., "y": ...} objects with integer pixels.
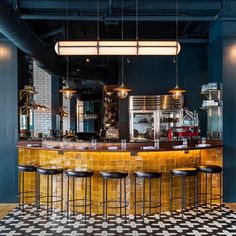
[
  {"x": 122, "y": 90},
  {"x": 177, "y": 92},
  {"x": 67, "y": 92}
]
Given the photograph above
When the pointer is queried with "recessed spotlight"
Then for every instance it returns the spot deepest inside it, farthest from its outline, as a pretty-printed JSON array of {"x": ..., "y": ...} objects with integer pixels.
[
  {"x": 78, "y": 69},
  {"x": 87, "y": 60},
  {"x": 128, "y": 60}
]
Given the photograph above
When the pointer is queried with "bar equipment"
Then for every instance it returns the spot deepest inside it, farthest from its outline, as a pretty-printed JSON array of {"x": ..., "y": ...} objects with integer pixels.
[{"x": 152, "y": 116}]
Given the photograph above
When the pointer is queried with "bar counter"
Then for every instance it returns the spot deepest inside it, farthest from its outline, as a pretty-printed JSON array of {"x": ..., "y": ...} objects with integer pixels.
[{"x": 69, "y": 155}]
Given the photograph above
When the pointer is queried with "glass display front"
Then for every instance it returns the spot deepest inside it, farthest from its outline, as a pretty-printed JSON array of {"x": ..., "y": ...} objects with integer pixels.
[{"x": 143, "y": 126}]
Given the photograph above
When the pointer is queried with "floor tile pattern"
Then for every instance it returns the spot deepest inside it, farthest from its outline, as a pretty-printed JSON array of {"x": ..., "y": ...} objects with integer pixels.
[{"x": 28, "y": 222}]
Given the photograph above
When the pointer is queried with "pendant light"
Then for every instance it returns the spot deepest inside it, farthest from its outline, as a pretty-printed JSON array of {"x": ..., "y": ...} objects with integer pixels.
[
  {"x": 122, "y": 91},
  {"x": 67, "y": 92},
  {"x": 177, "y": 92},
  {"x": 122, "y": 47}
]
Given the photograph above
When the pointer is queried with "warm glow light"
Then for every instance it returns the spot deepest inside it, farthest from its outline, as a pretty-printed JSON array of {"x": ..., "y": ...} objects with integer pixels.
[
  {"x": 69, "y": 48},
  {"x": 122, "y": 91},
  {"x": 177, "y": 93},
  {"x": 68, "y": 93}
]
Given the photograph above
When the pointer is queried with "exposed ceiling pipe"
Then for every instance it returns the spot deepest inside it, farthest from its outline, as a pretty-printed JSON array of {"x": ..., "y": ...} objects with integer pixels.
[
  {"x": 17, "y": 31},
  {"x": 114, "y": 18}
]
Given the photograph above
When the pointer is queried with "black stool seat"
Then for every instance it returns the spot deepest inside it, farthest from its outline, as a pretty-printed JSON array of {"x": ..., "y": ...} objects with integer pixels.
[
  {"x": 186, "y": 171},
  {"x": 210, "y": 169},
  {"x": 147, "y": 174},
  {"x": 79, "y": 172},
  {"x": 114, "y": 174},
  {"x": 50, "y": 170},
  {"x": 27, "y": 168}
]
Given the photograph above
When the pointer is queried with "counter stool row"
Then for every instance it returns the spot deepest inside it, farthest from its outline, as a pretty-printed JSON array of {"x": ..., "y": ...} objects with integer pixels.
[{"x": 72, "y": 174}]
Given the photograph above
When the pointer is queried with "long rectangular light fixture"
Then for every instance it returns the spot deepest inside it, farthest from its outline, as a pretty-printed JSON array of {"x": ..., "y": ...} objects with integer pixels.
[{"x": 95, "y": 48}]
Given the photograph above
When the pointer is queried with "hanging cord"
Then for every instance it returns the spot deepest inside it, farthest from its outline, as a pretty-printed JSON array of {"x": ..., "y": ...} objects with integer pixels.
[
  {"x": 122, "y": 36},
  {"x": 137, "y": 20},
  {"x": 177, "y": 38},
  {"x": 137, "y": 32},
  {"x": 67, "y": 38},
  {"x": 98, "y": 26}
]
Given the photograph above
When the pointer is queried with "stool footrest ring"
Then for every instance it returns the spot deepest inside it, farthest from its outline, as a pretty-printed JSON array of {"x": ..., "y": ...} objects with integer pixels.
[
  {"x": 59, "y": 198},
  {"x": 19, "y": 194},
  {"x": 115, "y": 201},
  {"x": 67, "y": 203},
  {"x": 153, "y": 202}
]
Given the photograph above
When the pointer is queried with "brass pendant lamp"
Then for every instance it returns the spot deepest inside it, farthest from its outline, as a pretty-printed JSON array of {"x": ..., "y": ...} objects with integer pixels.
[
  {"x": 67, "y": 92},
  {"x": 177, "y": 92},
  {"x": 122, "y": 90}
]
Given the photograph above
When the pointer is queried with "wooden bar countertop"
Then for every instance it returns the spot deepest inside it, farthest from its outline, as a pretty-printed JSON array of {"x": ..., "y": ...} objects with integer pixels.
[{"x": 85, "y": 146}]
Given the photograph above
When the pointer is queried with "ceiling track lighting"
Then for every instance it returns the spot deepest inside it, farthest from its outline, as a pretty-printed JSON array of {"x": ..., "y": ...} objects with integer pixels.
[{"x": 177, "y": 92}]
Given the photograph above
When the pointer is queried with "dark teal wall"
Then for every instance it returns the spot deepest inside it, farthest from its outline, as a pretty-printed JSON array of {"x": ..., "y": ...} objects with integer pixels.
[
  {"x": 229, "y": 119},
  {"x": 156, "y": 75},
  {"x": 8, "y": 122},
  {"x": 222, "y": 68}
]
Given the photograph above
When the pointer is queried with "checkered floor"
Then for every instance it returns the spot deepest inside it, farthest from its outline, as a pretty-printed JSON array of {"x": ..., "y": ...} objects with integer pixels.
[{"x": 29, "y": 223}]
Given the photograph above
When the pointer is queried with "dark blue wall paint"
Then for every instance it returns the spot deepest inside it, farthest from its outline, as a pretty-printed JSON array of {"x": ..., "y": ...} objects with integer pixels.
[
  {"x": 229, "y": 118},
  {"x": 156, "y": 75},
  {"x": 8, "y": 122},
  {"x": 222, "y": 68}
]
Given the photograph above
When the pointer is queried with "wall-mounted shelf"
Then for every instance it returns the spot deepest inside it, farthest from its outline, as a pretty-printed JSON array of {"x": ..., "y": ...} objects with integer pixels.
[
  {"x": 210, "y": 107},
  {"x": 214, "y": 112},
  {"x": 212, "y": 94}
]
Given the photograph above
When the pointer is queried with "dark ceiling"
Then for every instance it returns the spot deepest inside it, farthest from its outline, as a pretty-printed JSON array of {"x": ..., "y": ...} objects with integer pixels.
[
  {"x": 48, "y": 19},
  {"x": 156, "y": 18}
]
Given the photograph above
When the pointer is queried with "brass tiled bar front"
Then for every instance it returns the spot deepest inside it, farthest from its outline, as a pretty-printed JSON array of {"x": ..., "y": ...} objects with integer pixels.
[{"x": 161, "y": 161}]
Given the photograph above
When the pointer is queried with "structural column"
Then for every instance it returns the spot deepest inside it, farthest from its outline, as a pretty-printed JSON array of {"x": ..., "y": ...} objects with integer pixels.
[
  {"x": 222, "y": 69},
  {"x": 8, "y": 121}
]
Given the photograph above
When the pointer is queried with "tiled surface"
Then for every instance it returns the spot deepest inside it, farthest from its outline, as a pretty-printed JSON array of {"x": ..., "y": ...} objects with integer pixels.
[
  {"x": 205, "y": 223},
  {"x": 159, "y": 161}
]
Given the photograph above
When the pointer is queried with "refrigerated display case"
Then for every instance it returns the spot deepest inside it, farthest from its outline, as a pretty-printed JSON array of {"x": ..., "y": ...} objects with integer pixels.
[
  {"x": 144, "y": 125},
  {"x": 152, "y": 116}
]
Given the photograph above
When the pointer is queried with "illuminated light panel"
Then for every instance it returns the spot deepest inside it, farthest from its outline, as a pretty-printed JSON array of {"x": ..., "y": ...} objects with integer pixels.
[{"x": 72, "y": 48}]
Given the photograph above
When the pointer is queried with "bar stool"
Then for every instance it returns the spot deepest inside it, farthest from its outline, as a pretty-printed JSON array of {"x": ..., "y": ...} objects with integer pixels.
[
  {"x": 79, "y": 173},
  {"x": 211, "y": 169},
  {"x": 49, "y": 171},
  {"x": 149, "y": 175},
  {"x": 119, "y": 175},
  {"x": 22, "y": 194},
  {"x": 183, "y": 173}
]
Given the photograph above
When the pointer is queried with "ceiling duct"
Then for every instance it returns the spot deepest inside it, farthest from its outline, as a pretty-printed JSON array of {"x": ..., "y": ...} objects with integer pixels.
[{"x": 17, "y": 31}]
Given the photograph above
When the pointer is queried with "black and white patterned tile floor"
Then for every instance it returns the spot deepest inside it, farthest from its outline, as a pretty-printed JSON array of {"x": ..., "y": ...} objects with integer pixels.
[{"x": 206, "y": 223}]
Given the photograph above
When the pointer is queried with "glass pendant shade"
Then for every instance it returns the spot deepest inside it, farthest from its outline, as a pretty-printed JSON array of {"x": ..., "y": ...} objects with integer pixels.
[
  {"x": 68, "y": 93},
  {"x": 177, "y": 92},
  {"x": 69, "y": 48},
  {"x": 122, "y": 91}
]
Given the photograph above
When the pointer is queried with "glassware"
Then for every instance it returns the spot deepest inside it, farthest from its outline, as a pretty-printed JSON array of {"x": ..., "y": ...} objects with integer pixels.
[
  {"x": 156, "y": 143},
  {"x": 65, "y": 144},
  {"x": 203, "y": 140},
  {"x": 93, "y": 144},
  {"x": 185, "y": 142},
  {"x": 123, "y": 144}
]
